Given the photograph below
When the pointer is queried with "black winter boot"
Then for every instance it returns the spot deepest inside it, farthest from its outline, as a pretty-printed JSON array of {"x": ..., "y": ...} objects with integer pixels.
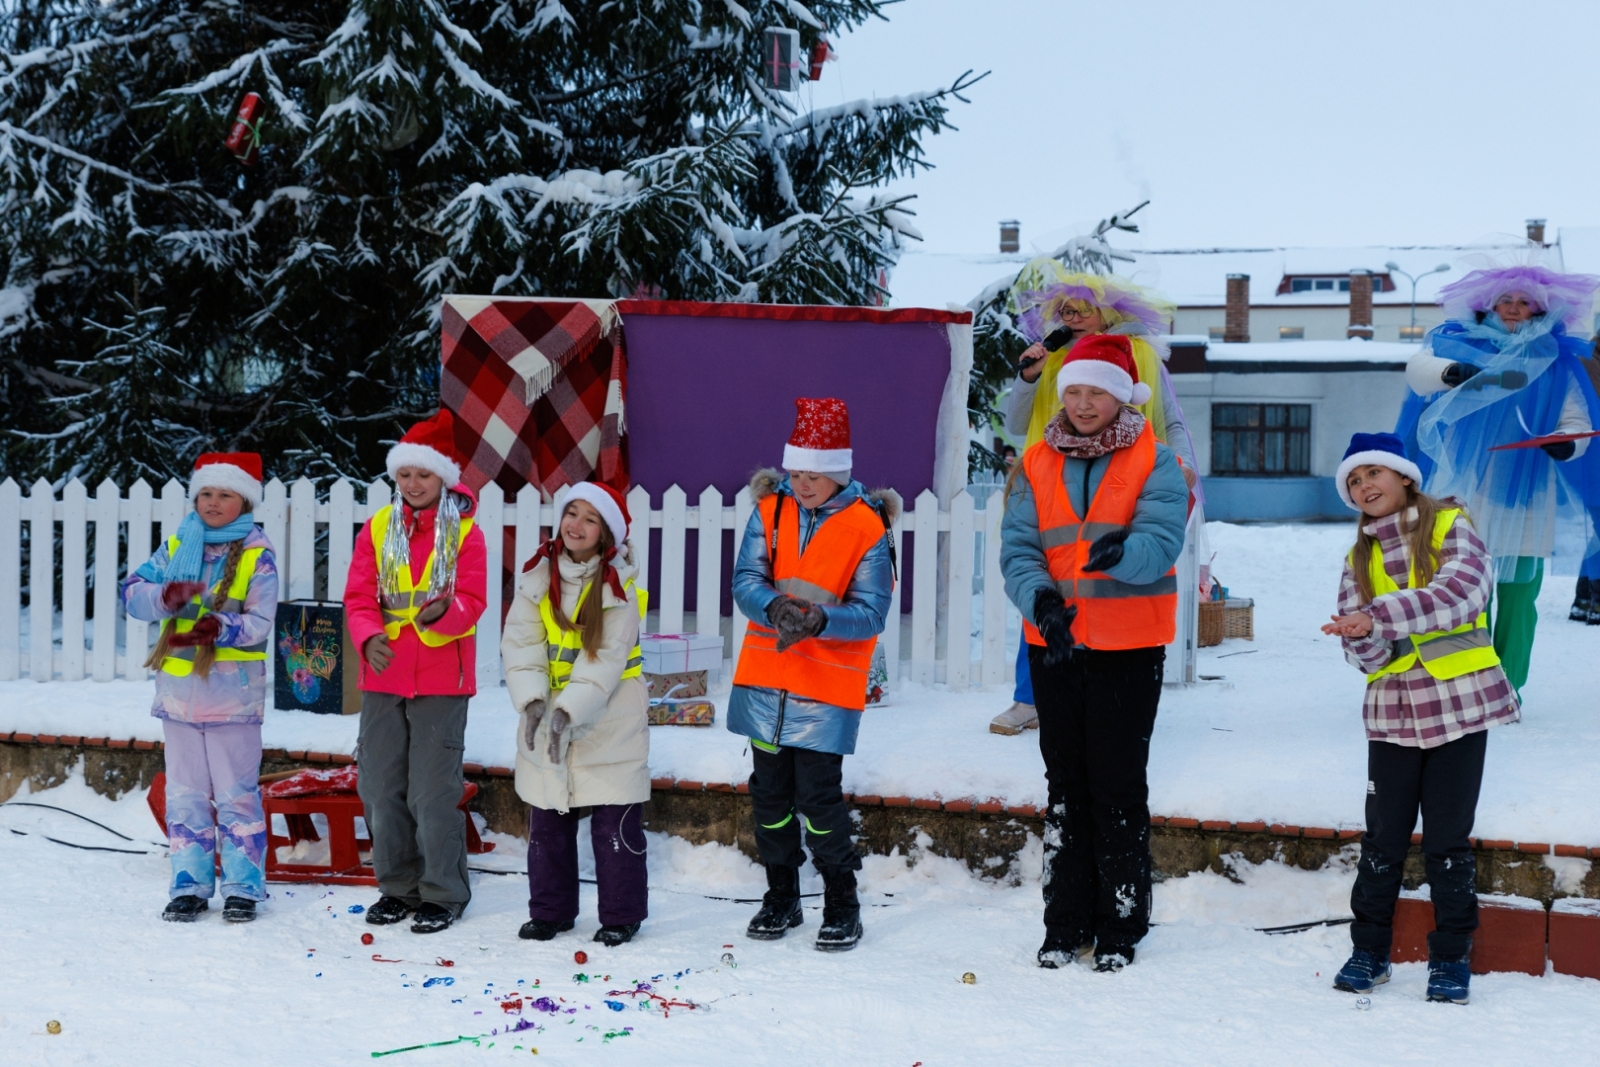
[
  {"x": 184, "y": 909},
  {"x": 431, "y": 918},
  {"x": 388, "y": 910},
  {"x": 542, "y": 929},
  {"x": 239, "y": 909},
  {"x": 612, "y": 936},
  {"x": 841, "y": 912},
  {"x": 780, "y": 908},
  {"x": 1582, "y": 602}
]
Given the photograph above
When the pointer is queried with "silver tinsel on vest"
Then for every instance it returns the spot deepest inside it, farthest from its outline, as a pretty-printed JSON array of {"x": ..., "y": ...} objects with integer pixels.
[{"x": 394, "y": 560}]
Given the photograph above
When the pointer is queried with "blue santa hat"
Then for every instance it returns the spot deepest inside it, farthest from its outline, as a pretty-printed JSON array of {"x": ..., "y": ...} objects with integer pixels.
[{"x": 1382, "y": 449}]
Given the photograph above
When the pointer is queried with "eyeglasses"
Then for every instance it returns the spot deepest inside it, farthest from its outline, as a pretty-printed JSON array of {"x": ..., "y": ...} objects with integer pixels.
[{"x": 1078, "y": 313}]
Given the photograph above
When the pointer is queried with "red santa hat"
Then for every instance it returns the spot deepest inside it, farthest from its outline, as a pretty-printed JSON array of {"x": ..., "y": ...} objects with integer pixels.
[
  {"x": 820, "y": 442},
  {"x": 237, "y": 472},
  {"x": 611, "y": 505},
  {"x": 1105, "y": 361},
  {"x": 431, "y": 445}
]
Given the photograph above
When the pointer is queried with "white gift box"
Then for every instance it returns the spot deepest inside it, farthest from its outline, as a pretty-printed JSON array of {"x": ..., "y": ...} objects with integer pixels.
[{"x": 677, "y": 653}]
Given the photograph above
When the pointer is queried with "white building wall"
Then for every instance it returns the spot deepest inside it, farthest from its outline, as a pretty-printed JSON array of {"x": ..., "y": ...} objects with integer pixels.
[{"x": 1342, "y": 403}]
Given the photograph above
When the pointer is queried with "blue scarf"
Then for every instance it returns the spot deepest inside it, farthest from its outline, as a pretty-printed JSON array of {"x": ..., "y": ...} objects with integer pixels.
[{"x": 193, "y": 535}]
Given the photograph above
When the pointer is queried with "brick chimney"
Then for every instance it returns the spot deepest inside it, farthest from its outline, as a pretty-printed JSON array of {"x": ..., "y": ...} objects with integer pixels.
[
  {"x": 1010, "y": 235},
  {"x": 1360, "y": 305},
  {"x": 1236, "y": 317},
  {"x": 1536, "y": 230}
]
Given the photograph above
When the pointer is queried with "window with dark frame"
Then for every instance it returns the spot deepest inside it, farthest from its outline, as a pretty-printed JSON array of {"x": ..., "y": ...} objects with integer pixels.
[{"x": 1261, "y": 440}]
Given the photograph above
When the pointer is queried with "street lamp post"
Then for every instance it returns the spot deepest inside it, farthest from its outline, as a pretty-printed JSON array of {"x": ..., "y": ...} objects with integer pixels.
[{"x": 1394, "y": 268}]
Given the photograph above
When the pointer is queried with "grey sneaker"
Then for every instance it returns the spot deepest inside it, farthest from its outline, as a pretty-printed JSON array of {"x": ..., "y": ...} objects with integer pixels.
[{"x": 1015, "y": 719}]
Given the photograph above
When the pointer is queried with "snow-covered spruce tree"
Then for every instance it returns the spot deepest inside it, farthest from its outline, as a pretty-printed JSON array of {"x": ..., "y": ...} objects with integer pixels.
[
  {"x": 996, "y": 341},
  {"x": 155, "y": 289}
]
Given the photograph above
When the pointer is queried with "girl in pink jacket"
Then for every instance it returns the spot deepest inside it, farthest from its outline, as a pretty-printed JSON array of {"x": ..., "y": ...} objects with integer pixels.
[{"x": 417, "y": 584}]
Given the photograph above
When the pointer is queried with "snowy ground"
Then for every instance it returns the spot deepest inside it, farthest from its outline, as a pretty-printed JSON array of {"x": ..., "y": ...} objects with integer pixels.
[
  {"x": 84, "y": 946},
  {"x": 1277, "y": 739}
]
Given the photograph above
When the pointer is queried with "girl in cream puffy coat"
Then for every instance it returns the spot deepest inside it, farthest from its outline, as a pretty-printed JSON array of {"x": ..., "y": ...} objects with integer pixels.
[{"x": 573, "y": 672}]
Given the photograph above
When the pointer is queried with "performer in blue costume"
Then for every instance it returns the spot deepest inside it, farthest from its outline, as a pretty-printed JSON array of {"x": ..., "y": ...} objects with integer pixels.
[{"x": 1504, "y": 368}]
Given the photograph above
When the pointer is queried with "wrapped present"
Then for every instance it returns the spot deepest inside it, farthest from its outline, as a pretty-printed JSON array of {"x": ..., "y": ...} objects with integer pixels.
[
  {"x": 681, "y": 653},
  {"x": 681, "y": 685},
  {"x": 682, "y": 713}
]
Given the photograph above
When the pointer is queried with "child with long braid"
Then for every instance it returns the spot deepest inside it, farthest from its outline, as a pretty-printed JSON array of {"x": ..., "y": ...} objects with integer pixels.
[{"x": 213, "y": 587}]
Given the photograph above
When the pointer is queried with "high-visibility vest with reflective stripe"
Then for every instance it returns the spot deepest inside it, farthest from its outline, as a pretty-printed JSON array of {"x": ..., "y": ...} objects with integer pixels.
[
  {"x": 562, "y": 646},
  {"x": 1111, "y": 614},
  {"x": 821, "y": 668},
  {"x": 180, "y": 661},
  {"x": 1444, "y": 654},
  {"x": 400, "y": 608}
]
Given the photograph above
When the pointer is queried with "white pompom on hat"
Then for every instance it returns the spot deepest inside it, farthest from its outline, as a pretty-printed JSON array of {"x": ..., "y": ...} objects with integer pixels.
[
  {"x": 1374, "y": 449},
  {"x": 237, "y": 472},
  {"x": 1104, "y": 361},
  {"x": 431, "y": 445},
  {"x": 611, "y": 505}
]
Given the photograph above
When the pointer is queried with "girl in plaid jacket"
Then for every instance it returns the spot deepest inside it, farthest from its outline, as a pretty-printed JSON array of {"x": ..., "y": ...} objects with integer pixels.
[{"x": 1412, "y": 616}]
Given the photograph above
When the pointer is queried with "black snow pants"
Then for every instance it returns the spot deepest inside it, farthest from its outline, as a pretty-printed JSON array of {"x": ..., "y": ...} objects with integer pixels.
[
  {"x": 1442, "y": 784},
  {"x": 1096, "y": 714},
  {"x": 795, "y": 789}
]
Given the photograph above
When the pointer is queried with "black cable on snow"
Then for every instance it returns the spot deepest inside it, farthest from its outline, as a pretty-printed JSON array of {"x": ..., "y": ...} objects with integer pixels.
[{"x": 64, "y": 811}]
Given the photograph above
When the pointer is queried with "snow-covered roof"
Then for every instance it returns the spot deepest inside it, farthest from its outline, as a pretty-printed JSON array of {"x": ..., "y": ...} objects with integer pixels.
[
  {"x": 1354, "y": 350},
  {"x": 1197, "y": 277}
]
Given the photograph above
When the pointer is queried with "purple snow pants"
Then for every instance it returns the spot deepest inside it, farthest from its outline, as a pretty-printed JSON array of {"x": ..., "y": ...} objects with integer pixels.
[
  {"x": 619, "y": 864},
  {"x": 214, "y": 805}
]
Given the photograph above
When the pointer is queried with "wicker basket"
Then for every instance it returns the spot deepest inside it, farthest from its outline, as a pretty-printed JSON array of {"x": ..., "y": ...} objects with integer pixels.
[
  {"x": 1222, "y": 619},
  {"x": 1239, "y": 619}
]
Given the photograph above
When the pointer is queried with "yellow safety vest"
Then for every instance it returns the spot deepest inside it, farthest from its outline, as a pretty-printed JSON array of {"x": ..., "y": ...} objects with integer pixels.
[
  {"x": 1444, "y": 654},
  {"x": 562, "y": 645},
  {"x": 401, "y": 608},
  {"x": 180, "y": 661}
]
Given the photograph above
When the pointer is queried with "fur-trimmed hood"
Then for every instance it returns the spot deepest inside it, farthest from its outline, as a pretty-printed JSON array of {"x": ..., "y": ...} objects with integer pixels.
[{"x": 886, "y": 502}]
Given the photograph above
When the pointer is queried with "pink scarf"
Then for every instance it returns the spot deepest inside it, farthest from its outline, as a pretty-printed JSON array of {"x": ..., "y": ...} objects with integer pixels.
[{"x": 1123, "y": 431}]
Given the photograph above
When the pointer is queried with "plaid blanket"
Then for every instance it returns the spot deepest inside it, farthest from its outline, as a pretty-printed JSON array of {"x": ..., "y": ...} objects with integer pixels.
[{"x": 537, "y": 388}]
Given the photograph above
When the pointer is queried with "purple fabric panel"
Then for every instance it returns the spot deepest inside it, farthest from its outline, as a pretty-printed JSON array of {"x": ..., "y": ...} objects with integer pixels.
[{"x": 712, "y": 399}]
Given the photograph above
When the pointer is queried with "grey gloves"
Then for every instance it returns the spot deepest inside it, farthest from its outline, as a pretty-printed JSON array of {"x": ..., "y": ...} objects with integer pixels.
[
  {"x": 795, "y": 620},
  {"x": 559, "y": 721},
  {"x": 532, "y": 716}
]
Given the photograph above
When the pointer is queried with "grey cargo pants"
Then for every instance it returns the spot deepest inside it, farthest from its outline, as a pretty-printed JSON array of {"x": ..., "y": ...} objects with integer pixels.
[{"x": 410, "y": 780}]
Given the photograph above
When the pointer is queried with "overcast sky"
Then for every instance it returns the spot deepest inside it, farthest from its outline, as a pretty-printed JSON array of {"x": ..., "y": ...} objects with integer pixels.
[{"x": 1245, "y": 123}]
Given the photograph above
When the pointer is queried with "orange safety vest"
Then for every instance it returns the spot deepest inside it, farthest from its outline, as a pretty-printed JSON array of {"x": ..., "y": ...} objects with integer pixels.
[
  {"x": 834, "y": 672},
  {"x": 1111, "y": 614}
]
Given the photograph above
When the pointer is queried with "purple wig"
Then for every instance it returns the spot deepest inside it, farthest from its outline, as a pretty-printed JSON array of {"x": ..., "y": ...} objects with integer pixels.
[
  {"x": 1570, "y": 296},
  {"x": 1039, "y": 310}
]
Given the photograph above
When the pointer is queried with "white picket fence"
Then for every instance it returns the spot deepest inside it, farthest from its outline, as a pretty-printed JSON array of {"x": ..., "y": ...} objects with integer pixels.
[{"x": 106, "y": 644}]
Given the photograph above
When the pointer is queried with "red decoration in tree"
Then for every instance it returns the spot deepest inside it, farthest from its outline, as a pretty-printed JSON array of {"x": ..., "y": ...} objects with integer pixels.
[
  {"x": 820, "y": 54},
  {"x": 244, "y": 140}
]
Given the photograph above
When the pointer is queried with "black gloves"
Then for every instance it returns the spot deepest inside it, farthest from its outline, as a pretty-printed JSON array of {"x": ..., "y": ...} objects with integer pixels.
[
  {"x": 1460, "y": 373},
  {"x": 1560, "y": 451},
  {"x": 1053, "y": 619},
  {"x": 1106, "y": 551},
  {"x": 795, "y": 620}
]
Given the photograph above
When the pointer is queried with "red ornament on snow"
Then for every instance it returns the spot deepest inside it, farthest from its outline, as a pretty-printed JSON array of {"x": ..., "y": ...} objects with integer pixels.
[
  {"x": 366, "y": 939},
  {"x": 580, "y": 957},
  {"x": 244, "y": 140}
]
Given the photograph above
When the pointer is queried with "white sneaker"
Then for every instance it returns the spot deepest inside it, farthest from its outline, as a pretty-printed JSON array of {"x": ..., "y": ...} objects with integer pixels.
[{"x": 1015, "y": 719}]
